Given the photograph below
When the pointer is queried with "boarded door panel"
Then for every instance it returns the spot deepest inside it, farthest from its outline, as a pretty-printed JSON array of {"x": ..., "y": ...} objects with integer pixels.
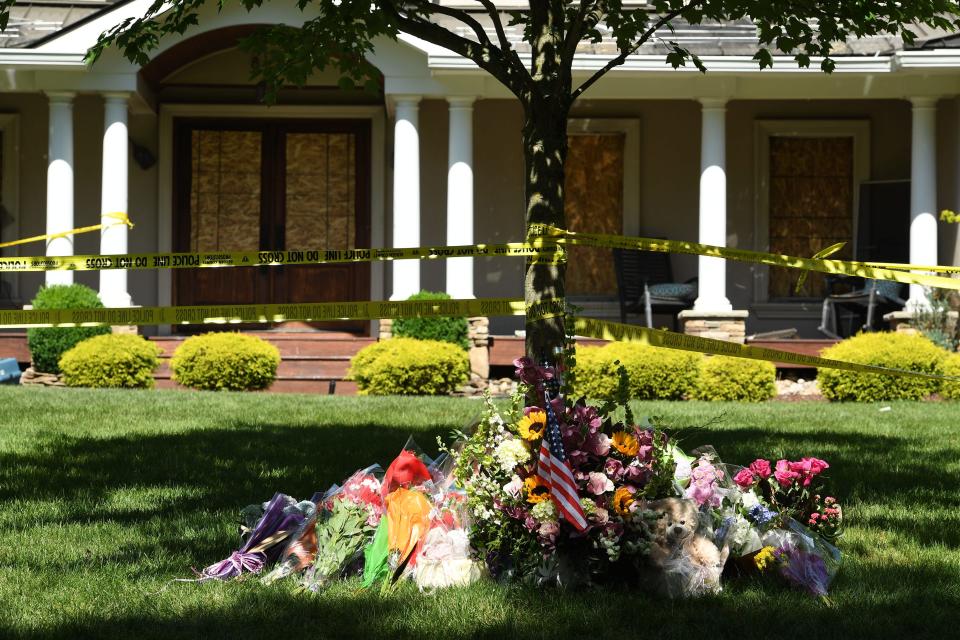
[
  {"x": 594, "y": 202},
  {"x": 811, "y": 206},
  {"x": 321, "y": 212},
  {"x": 224, "y": 213}
]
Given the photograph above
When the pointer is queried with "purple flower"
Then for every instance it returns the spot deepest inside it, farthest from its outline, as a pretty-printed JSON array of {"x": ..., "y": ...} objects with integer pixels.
[
  {"x": 613, "y": 468},
  {"x": 529, "y": 373},
  {"x": 598, "y": 444}
]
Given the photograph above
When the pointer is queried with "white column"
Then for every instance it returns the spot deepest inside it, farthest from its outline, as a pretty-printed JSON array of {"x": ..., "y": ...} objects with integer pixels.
[
  {"x": 60, "y": 181},
  {"x": 712, "y": 272},
  {"x": 460, "y": 195},
  {"x": 113, "y": 197},
  {"x": 406, "y": 195},
  {"x": 923, "y": 192}
]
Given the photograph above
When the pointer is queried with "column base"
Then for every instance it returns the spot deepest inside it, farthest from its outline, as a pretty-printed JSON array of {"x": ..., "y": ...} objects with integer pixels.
[
  {"x": 719, "y": 325},
  {"x": 903, "y": 321},
  {"x": 478, "y": 335}
]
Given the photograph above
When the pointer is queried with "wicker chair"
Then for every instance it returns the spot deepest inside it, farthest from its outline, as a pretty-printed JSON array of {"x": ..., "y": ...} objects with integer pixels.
[
  {"x": 645, "y": 284},
  {"x": 870, "y": 302}
]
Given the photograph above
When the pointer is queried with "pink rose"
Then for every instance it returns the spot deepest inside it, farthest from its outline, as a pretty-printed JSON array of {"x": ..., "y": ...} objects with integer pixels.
[
  {"x": 761, "y": 468},
  {"x": 598, "y": 444},
  {"x": 601, "y": 516},
  {"x": 784, "y": 474},
  {"x": 744, "y": 478},
  {"x": 548, "y": 531},
  {"x": 598, "y": 483}
]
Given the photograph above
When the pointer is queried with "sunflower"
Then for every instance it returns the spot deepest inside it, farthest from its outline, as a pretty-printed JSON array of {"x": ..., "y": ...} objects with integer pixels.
[
  {"x": 622, "y": 499},
  {"x": 532, "y": 425},
  {"x": 626, "y": 443},
  {"x": 537, "y": 490}
]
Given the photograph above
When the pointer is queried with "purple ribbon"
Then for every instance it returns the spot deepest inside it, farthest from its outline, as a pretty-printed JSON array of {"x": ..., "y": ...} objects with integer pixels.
[{"x": 235, "y": 565}]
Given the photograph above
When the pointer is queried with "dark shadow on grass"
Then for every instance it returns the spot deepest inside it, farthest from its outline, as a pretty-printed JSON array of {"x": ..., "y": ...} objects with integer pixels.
[
  {"x": 225, "y": 468},
  {"x": 747, "y": 610}
]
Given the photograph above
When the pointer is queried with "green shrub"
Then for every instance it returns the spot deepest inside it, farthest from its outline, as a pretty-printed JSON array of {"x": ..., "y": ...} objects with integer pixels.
[
  {"x": 654, "y": 373},
  {"x": 727, "y": 378},
  {"x": 407, "y": 367},
  {"x": 453, "y": 330},
  {"x": 125, "y": 361},
  {"x": 950, "y": 389},
  {"x": 896, "y": 350},
  {"x": 48, "y": 344},
  {"x": 231, "y": 361}
]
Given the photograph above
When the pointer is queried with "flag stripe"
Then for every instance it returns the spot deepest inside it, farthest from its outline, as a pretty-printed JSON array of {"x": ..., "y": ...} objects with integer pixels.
[{"x": 556, "y": 473}]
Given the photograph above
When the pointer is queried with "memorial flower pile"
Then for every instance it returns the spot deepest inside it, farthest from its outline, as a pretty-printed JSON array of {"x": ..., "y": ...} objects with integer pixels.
[{"x": 551, "y": 491}]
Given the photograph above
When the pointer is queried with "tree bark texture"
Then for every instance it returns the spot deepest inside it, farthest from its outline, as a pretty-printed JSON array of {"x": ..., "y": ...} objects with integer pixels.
[{"x": 545, "y": 151}]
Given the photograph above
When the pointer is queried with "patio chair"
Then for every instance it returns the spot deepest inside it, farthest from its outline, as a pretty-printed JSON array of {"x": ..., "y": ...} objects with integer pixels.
[
  {"x": 645, "y": 283},
  {"x": 870, "y": 301}
]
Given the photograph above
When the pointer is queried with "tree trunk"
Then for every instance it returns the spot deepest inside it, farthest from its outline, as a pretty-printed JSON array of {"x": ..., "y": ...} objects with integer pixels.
[{"x": 545, "y": 153}]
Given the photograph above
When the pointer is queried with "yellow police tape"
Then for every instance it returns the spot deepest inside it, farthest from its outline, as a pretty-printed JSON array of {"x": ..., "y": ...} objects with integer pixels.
[
  {"x": 119, "y": 216},
  {"x": 540, "y": 251},
  {"x": 842, "y": 267},
  {"x": 256, "y": 313},
  {"x": 657, "y": 338},
  {"x": 370, "y": 310}
]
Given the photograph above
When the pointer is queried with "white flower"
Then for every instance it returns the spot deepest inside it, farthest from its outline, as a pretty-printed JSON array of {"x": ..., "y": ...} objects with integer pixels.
[
  {"x": 511, "y": 453},
  {"x": 544, "y": 511},
  {"x": 749, "y": 500},
  {"x": 445, "y": 560},
  {"x": 513, "y": 487}
]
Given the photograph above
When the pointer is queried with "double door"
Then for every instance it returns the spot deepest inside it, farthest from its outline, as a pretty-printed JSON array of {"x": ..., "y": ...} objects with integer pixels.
[{"x": 249, "y": 185}]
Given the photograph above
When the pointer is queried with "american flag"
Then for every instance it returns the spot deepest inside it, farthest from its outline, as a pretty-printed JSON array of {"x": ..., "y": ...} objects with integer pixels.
[{"x": 555, "y": 471}]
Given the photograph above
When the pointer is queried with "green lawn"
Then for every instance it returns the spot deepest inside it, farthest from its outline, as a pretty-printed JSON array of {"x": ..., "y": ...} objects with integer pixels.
[{"x": 107, "y": 496}]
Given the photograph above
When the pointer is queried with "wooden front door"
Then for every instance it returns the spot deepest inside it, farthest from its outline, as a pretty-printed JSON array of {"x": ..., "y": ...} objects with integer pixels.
[{"x": 272, "y": 185}]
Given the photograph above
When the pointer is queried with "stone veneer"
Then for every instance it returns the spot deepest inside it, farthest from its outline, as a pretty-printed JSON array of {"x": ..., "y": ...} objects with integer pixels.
[
  {"x": 719, "y": 325},
  {"x": 478, "y": 335},
  {"x": 902, "y": 321}
]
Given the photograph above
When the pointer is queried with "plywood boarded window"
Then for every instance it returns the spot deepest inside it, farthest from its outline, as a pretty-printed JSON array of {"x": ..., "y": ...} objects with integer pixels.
[
  {"x": 811, "y": 205},
  {"x": 225, "y": 190},
  {"x": 320, "y": 196},
  {"x": 594, "y": 203}
]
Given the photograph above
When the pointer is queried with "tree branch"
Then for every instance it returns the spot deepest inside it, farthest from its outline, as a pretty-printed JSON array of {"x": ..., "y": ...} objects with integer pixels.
[
  {"x": 575, "y": 34},
  {"x": 620, "y": 59},
  {"x": 457, "y": 14},
  {"x": 497, "y": 24},
  {"x": 484, "y": 54}
]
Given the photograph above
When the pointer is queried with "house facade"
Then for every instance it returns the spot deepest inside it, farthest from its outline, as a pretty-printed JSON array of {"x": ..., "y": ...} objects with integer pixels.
[{"x": 783, "y": 160}]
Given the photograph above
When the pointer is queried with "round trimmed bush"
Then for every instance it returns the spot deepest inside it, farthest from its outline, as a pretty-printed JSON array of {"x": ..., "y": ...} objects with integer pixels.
[
  {"x": 739, "y": 379},
  {"x": 654, "y": 373},
  {"x": 111, "y": 361},
  {"x": 896, "y": 350},
  {"x": 48, "y": 344},
  {"x": 409, "y": 367},
  {"x": 225, "y": 361},
  {"x": 453, "y": 330},
  {"x": 950, "y": 389}
]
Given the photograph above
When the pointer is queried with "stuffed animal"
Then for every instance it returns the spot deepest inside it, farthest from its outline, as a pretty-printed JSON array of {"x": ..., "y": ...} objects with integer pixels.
[{"x": 683, "y": 558}]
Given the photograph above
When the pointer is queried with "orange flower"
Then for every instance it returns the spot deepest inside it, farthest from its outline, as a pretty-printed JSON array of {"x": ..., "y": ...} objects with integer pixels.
[
  {"x": 537, "y": 490},
  {"x": 532, "y": 425},
  {"x": 622, "y": 499},
  {"x": 626, "y": 443}
]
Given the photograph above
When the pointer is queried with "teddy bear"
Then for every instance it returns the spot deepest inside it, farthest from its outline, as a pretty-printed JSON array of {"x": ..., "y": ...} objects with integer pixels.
[{"x": 683, "y": 558}]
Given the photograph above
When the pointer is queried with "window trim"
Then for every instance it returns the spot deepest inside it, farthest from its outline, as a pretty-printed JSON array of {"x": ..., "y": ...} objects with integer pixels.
[{"x": 858, "y": 129}]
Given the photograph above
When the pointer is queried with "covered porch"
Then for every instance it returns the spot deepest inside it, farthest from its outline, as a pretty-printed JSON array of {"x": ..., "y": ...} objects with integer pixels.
[{"x": 772, "y": 161}]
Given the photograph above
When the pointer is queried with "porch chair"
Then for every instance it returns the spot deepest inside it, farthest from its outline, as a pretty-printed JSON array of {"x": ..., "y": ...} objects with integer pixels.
[
  {"x": 645, "y": 283},
  {"x": 870, "y": 301}
]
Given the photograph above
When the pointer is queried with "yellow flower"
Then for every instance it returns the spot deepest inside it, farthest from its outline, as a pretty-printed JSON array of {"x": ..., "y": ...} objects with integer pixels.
[
  {"x": 622, "y": 499},
  {"x": 532, "y": 426},
  {"x": 537, "y": 490},
  {"x": 626, "y": 443},
  {"x": 764, "y": 558}
]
